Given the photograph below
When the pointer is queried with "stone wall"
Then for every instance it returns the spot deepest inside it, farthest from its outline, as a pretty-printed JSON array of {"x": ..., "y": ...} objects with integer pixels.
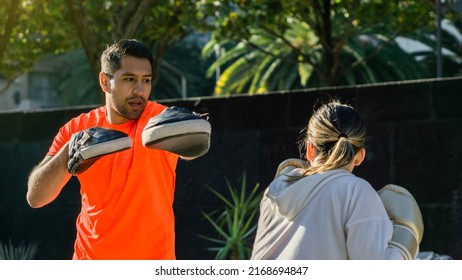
[{"x": 414, "y": 140}]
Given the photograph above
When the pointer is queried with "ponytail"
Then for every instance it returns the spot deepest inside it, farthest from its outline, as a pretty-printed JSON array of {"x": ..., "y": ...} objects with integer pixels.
[{"x": 337, "y": 133}]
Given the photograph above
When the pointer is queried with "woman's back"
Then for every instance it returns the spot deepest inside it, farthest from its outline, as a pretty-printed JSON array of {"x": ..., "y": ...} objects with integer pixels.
[{"x": 322, "y": 216}]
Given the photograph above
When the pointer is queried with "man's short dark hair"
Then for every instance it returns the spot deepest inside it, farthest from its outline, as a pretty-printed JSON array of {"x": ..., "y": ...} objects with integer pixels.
[{"x": 111, "y": 58}]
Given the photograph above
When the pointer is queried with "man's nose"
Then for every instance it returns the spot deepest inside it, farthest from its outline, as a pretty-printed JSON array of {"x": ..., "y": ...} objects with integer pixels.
[{"x": 139, "y": 88}]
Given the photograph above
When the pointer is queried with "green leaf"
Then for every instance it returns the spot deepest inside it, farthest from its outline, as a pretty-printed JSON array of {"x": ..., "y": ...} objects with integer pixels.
[{"x": 235, "y": 222}]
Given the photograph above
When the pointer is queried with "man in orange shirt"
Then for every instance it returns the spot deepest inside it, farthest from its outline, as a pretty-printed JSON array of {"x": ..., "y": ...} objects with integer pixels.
[{"x": 127, "y": 196}]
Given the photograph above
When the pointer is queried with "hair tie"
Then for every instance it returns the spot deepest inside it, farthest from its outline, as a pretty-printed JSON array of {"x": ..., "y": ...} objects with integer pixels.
[{"x": 342, "y": 135}]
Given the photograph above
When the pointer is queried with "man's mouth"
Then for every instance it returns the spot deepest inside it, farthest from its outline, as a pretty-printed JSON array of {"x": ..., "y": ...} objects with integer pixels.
[{"x": 136, "y": 104}]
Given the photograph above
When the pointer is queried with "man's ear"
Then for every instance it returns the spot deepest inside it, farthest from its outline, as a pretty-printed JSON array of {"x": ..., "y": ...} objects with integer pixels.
[
  {"x": 104, "y": 82},
  {"x": 310, "y": 152},
  {"x": 359, "y": 157}
]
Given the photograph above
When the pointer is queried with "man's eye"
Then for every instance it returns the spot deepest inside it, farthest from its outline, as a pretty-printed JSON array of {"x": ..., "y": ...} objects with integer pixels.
[
  {"x": 128, "y": 79},
  {"x": 147, "y": 81}
]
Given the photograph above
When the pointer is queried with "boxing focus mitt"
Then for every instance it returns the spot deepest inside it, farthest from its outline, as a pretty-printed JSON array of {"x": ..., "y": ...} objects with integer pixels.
[
  {"x": 179, "y": 131},
  {"x": 406, "y": 217},
  {"x": 87, "y": 146}
]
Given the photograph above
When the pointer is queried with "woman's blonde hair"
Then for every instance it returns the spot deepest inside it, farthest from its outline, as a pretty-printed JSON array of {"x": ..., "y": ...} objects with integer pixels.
[{"x": 337, "y": 133}]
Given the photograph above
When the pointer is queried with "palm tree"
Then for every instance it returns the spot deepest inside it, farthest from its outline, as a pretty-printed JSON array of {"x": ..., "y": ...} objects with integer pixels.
[
  {"x": 451, "y": 49},
  {"x": 296, "y": 59},
  {"x": 282, "y": 45}
]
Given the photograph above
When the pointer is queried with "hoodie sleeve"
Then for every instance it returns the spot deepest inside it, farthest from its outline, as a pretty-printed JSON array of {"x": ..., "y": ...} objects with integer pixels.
[{"x": 368, "y": 228}]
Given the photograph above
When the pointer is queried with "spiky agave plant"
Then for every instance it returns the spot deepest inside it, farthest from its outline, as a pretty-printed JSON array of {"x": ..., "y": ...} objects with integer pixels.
[
  {"x": 22, "y": 251},
  {"x": 235, "y": 222}
]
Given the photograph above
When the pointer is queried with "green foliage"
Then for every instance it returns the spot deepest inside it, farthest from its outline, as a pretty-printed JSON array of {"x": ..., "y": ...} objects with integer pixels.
[
  {"x": 235, "y": 222},
  {"x": 21, "y": 251},
  {"x": 284, "y": 45},
  {"x": 451, "y": 56},
  {"x": 75, "y": 84},
  {"x": 39, "y": 28},
  {"x": 270, "y": 44},
  {"x": 185, "y": 56},
  {"x": 46, "y": 27}
]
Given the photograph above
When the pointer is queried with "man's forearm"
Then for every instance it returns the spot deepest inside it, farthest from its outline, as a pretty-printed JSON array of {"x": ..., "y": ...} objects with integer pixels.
[{"x": 48, "y": 178}]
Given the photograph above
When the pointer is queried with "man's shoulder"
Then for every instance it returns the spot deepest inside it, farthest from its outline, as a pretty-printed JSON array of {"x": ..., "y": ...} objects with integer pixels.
[
  {"x": 90, "y": 118},
  {"x": 155, "y": 105},
  {"x": 153, "y": 108}
]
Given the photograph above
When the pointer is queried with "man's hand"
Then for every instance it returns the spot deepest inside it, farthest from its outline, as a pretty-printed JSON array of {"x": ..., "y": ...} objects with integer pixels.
[
  {"x": 87, "y": 146},
  {"x": 179, "y": 131}
]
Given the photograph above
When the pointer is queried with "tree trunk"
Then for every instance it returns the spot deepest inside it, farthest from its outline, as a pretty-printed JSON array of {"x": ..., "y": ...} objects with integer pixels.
[
  {"x": 125, "y": 22},
  {"x": 88, "y": 41},
  {"x": 127, "y": 19}
]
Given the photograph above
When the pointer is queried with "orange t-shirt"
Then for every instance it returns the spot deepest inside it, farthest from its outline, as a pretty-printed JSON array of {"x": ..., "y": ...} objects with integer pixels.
[{"x": 127, "y": 196}]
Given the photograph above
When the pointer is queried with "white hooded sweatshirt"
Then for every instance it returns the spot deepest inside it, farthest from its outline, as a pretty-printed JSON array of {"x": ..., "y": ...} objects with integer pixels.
[{"x": 333, "y": 215}]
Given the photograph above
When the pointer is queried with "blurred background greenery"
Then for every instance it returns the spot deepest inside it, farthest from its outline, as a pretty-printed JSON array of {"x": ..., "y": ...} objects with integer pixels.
[{"x": 211, "y": 47}]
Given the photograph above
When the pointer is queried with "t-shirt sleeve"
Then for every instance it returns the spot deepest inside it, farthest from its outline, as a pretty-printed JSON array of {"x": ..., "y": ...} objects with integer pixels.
[
  {"x": 76, "y": 124},
  {"x": 62, "y": 137},
  {"x": 65, "y": 132}
]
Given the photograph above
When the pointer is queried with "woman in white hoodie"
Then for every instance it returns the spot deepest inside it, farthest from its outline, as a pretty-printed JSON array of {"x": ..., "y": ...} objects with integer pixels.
[{"x": 320, "y": 210}]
